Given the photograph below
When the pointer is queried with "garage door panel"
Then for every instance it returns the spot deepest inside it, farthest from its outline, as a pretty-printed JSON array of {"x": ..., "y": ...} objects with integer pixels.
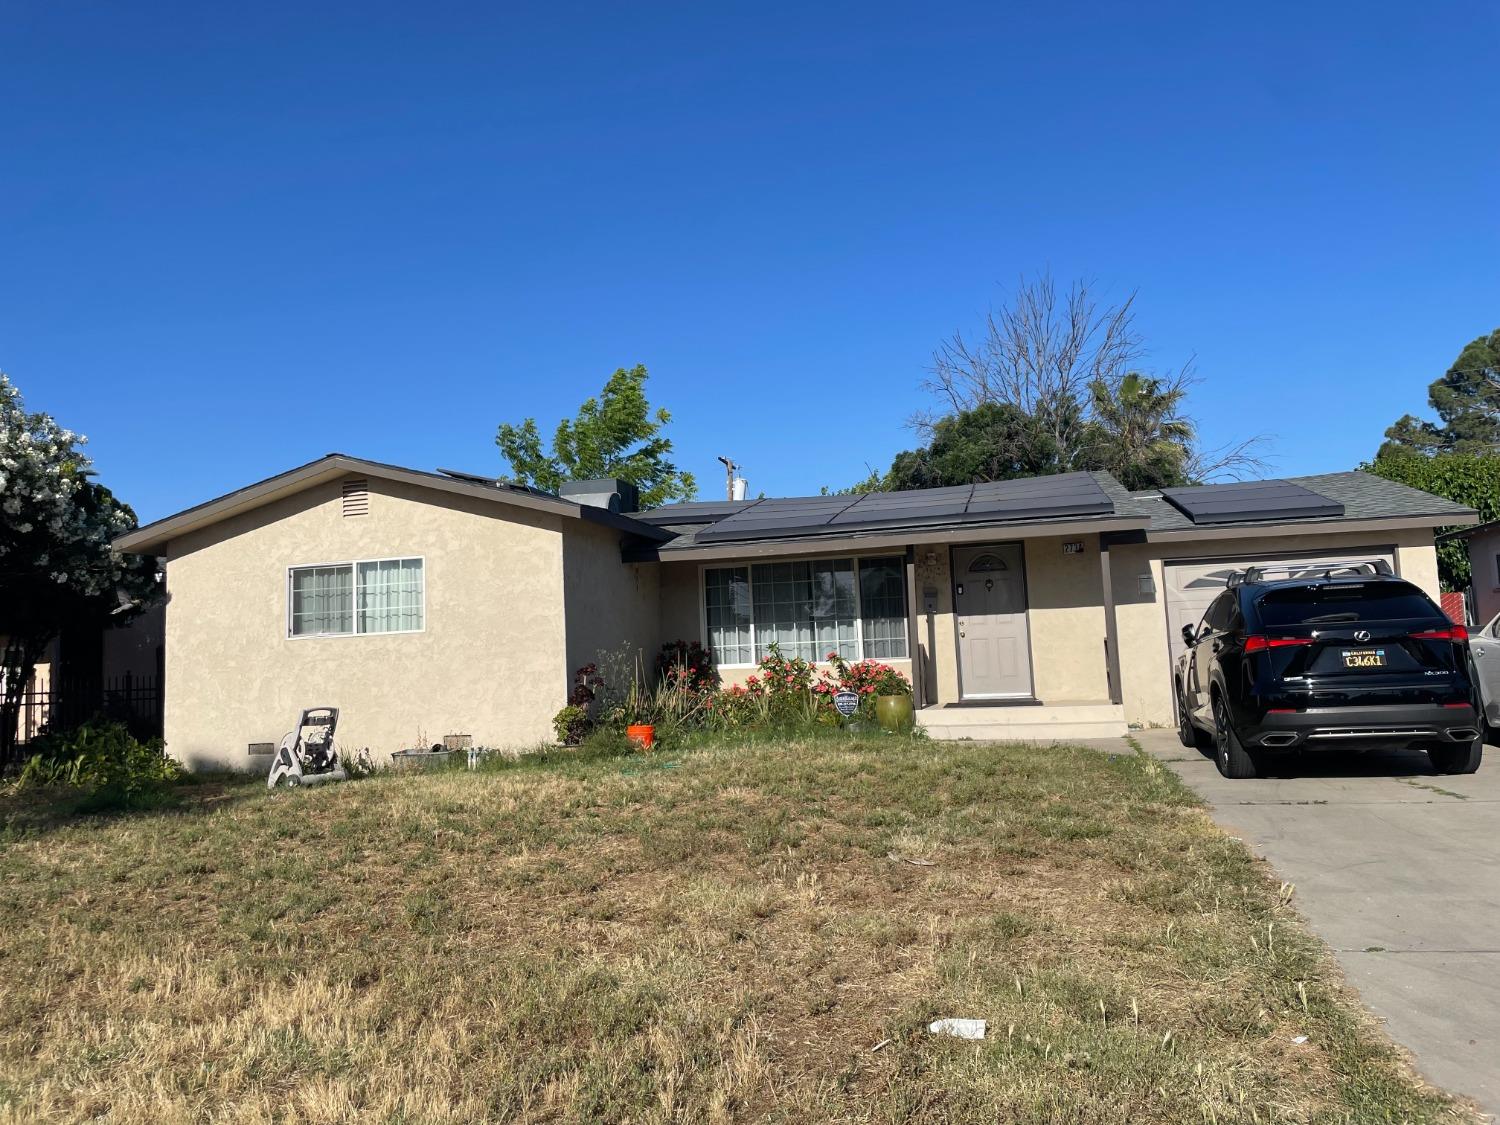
[{"x": 1191, "y": 584}]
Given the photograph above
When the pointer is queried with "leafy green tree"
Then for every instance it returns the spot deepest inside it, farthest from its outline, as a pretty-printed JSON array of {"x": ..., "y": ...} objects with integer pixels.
[
  {"x": 1139, "y": 433},
  {"x": 1466, "y": 398},
  {"x": 1465, "y": 478},
  {"x": 57, "y": 568},
  {"x": 614, "y": 435},
  {"x": 993, "y": 441}
]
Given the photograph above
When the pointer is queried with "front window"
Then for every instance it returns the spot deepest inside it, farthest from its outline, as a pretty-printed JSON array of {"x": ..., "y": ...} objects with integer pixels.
[
  {"x": 807, "y": 608},
  {"x": 341, "y": 599}
]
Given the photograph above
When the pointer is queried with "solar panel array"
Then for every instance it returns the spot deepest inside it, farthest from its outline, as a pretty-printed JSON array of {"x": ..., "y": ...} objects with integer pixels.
[
  {"x": 1251, "y": 501},
  {"x": 694, "y": 511},
  {"x": 1069, "y": 495}
]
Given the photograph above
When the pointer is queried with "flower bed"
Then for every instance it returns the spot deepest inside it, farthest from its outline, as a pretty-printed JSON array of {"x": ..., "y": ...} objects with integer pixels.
[{"x": 783, "y": 692}]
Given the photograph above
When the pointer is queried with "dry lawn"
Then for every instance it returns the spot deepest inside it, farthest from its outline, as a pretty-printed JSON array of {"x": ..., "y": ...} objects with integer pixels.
[{"x": 723, "y": 934}]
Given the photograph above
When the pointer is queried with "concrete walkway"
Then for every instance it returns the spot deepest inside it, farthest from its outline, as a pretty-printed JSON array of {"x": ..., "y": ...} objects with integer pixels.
[{"x": 1399, "y": 870}]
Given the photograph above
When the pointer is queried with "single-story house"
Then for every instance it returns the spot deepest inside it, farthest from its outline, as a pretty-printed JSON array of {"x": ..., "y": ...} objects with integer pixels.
[{"x": 424, "y": 604}]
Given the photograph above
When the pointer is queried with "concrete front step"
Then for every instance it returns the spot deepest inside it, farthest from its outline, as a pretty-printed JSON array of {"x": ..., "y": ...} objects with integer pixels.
[{"x": 1047, "y": 722}]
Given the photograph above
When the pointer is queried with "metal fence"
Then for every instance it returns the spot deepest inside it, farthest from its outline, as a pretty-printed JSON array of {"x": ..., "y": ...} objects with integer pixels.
[{"x": 64, "y": 704}]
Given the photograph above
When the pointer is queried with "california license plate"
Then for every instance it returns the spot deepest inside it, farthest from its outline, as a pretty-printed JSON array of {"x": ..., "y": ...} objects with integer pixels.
[{"x": 1364, "y": 658}]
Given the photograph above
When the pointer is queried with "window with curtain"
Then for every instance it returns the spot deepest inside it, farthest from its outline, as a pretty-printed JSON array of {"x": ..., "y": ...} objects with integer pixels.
[
  {"x": 375, "y": 596},
  {"x": 726, "y": 604},
  {"x": 807, "y": 608}
]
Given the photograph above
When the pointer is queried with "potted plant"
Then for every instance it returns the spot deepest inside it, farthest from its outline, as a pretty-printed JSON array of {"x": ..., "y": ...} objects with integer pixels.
[
  {"x": 638, "y": 712},
  {"x": 872, "y": 680}
]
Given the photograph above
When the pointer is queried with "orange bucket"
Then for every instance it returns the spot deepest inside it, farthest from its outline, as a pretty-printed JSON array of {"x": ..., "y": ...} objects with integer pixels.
[{"x": 642, "y": 734}]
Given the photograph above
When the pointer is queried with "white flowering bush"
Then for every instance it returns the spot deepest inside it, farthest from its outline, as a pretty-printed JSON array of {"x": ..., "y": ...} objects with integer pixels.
[{"x": 56, "y": 564}]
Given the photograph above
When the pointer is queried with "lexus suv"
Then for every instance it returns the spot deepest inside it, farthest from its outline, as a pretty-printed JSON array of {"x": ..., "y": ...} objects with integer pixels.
[{"x": 1327, "y": 658}]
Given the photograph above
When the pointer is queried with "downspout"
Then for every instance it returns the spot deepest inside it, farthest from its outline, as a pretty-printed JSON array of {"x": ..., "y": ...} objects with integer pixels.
[
  {"x": 913, "y": 647},
  {"x": 1111, "y": 628}
]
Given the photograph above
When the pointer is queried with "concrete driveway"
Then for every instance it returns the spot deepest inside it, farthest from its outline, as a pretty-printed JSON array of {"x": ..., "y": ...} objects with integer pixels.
[{"x": 1399, "y": 870}]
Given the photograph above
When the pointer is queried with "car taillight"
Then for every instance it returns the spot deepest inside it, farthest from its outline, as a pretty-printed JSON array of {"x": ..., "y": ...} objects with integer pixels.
[
  {"x": 1452, "y": 633},
  {"x": 1257, "y": 643}
]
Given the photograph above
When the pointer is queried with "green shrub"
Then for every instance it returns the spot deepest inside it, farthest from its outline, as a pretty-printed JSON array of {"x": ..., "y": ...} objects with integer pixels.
[
  {"x": 571, "y": 724},
  {"x": 118, "y": 770}
]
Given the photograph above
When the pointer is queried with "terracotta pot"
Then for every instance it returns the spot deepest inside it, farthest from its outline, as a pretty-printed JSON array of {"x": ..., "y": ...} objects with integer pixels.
[
  {"x": 893, "y": 712},
  {"x": 642, "y": 734}
]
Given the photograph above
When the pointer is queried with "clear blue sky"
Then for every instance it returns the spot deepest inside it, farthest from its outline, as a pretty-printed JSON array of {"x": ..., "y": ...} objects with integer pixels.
[{"x": 235, "y": 238}]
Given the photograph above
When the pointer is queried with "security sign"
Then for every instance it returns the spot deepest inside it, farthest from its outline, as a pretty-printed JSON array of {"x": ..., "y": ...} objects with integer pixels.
[{"x": 846, "y": 703}]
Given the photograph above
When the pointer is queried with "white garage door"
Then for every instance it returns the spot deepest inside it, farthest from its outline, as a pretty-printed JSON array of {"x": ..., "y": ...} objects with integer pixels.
[{"x": 1193, "y": 583}]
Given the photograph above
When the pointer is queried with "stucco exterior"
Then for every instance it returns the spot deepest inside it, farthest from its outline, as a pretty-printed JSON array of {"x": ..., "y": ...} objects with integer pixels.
[
  {"x": 611, "y": 608},
  {"x": 490, "y": 661},
  {"x": 523, "y": 587}
]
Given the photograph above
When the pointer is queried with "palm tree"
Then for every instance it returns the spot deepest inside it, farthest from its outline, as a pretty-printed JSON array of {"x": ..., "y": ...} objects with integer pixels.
[{"x": 1140, "y": 435}]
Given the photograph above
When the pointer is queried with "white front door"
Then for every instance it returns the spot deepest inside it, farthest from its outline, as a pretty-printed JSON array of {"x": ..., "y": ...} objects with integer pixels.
[{"x": 994, "y": 641}]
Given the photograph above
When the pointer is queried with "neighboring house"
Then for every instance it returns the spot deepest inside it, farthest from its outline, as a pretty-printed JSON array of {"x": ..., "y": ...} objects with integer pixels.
[
  {"x": 424, "y": 604},
  {"x": 112, "y": 671},
  {"x": 1483, "y": 543}
]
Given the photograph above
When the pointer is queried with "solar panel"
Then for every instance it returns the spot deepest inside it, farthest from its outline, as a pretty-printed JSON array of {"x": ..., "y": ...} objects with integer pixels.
[
  {"x": 1251, "y": 501},
  {"x": 694, "y": 511},
  {"x": 1071, "y": 494}
]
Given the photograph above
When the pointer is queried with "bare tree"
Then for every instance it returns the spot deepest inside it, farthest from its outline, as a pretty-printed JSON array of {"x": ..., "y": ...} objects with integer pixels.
[
  {"x": 1054, "y": 355},
  {"x": 1042, "y": 353}
]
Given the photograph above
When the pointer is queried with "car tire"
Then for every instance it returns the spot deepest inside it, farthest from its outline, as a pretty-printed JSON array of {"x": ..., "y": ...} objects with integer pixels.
[
  {"x": 1458, "y": 757},
  {"x": 1230, "y": 755},
  {"x": 1187, "y": 731}
]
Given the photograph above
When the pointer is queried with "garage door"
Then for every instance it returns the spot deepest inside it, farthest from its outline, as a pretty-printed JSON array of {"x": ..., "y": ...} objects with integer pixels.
[{"x": 1193, "y": 583}]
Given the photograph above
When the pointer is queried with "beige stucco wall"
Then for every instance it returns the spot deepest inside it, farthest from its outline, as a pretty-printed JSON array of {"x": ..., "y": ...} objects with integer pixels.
[
  {"x": 613, "y": 613},
  {"x": 491, "y": 661},
  {"x": 1145, "y": 656},
  {"x": 1065, "y": 596},
  {"x": 1065, "y": 603},
  {"x": 1485, "y": 578}
]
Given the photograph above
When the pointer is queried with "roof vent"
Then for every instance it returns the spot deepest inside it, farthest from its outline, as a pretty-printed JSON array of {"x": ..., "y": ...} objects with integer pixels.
[
  {"x": 356, "y": 496},
  {"x": 609, "y": 493}
]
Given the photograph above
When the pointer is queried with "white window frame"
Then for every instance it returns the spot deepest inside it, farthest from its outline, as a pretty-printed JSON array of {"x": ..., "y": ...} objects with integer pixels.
[
  {"x": 750, "y": 564},
  {"x": 354, "y": 564}
]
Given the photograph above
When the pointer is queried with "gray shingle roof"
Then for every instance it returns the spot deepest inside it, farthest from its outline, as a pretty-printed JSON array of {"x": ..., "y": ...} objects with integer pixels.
[{"x": 1363, "y": 495}]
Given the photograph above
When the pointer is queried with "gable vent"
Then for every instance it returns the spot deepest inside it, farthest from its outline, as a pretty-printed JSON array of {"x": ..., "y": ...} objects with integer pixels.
[{"x": 356, "y": 495}]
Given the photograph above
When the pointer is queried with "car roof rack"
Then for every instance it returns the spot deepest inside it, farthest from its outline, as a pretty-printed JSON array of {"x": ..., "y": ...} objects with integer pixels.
[{"x": 1372, "y": 568}]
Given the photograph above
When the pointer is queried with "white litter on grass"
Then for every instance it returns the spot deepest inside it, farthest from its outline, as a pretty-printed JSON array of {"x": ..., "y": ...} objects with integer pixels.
[
  {"x": 1299, "y": 1039},
  {"x": 962, "y": 1029}
]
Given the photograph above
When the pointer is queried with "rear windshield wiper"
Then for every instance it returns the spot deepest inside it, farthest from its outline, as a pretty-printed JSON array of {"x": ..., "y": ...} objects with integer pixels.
[{"x": 1330, "y": 618}]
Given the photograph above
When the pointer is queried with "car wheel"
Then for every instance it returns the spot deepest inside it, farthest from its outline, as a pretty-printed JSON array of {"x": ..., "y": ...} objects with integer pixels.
[
  {"x": 1456, "y": 757},
  {"x": 1229, "y": 754},
  {"x": 1187, "y": 732}
]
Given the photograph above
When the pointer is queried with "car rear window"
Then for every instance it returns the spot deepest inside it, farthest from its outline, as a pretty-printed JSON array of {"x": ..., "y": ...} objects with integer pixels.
[{"x": 1353, "y": 601}]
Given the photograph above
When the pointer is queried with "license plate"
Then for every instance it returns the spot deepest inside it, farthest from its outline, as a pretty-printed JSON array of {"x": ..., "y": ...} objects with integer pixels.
[{"x": 1364, "y": 658}]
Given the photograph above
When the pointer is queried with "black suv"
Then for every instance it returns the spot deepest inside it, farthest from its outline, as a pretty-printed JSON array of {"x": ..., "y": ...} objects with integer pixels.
[{"x": 1347, "y": 657}]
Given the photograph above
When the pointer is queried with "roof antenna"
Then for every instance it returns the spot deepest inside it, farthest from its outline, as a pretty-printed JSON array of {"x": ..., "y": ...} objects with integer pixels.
[{"x": 729, "y": 471}]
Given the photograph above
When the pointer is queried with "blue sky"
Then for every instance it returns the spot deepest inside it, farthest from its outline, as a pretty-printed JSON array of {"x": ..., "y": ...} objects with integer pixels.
[{"x": 237, "y": 238}]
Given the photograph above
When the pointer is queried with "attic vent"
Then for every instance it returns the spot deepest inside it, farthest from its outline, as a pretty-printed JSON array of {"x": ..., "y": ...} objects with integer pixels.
[{"x": 356, "y": 493}]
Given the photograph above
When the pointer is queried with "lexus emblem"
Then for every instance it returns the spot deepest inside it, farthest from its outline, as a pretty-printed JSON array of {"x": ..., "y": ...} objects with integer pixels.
[{"x": 1361, "y": 635}]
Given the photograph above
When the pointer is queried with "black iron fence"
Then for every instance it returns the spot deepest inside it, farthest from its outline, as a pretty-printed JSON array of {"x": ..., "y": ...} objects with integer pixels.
[{"x": 62, "y": 705}]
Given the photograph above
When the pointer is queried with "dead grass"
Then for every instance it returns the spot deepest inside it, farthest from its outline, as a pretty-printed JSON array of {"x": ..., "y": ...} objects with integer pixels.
[{"x": 717, "y": 935}]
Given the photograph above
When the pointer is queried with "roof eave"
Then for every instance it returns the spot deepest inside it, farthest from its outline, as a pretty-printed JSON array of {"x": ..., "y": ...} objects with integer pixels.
[
  {"x": 153, "y": 538},
  {"x": 875, "y": 539}
]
